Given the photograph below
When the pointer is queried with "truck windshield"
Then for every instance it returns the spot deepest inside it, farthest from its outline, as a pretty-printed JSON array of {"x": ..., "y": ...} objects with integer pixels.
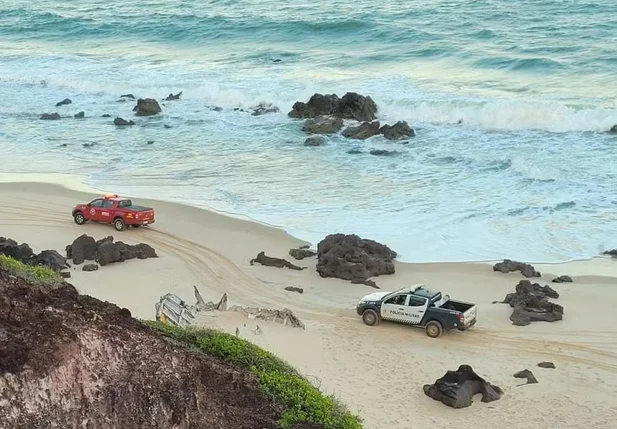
[{"x": 125, "y": 203}]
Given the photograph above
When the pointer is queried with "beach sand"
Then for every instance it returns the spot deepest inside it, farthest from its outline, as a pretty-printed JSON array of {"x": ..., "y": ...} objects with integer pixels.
[{"x": 377, "y": 372}]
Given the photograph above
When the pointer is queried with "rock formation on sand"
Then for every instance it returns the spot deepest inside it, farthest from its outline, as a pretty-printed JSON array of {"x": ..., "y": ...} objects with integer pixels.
[
  {"x": 508, "y": 266},
  {"x": 457, "y": 388},
  {"x": 294, "y": 289},
  {"x": 105, "y": 251},
  {"x": 121, "y": 122},
  {"x": 147, "y": 107},
  {"x": 562, "y": 279},
  {"x": 531, "y": 379},
  {"x": 350, "y": 257},
  {"x": 70, "y": 361},
  {"x": 50, "y": 116},
  {"x": 530, "y": 303},
  {"x": 322, "y": 125},
  {"x": 549, "y": 365},
  {"x": 23, "y": 253},
  {"x": 398, "y": 131},
  {"x": 363, "y": 131},
  {"x": 300, "y": 254},
  {"x": 268, "y": 261},
  {"x": 351, "y": 106}
]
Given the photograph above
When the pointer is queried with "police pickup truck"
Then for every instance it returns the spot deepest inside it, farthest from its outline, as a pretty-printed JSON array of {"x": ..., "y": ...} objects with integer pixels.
[{"x": 420, "y": 307}]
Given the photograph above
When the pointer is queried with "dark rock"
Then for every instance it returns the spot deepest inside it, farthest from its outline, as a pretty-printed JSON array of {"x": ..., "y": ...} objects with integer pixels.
[
  {"x": 120, "y": 122},
  {"x": 21, "y": 252},
  {"x": 276, "y": 60},
  {"x": 508, "y": 266},
  {"x": 365, "y": 282},
  {"x": 106, "y": 115},
  {"x": 50, "y": 116},
  {"x": 350, "y": 257},
  {"x": 383, "y": 152},
  {"x": 79, "y": 115},
  {"x": 612, "y": 253},
  {"x": 531, "y": 304},
  {"x": 167, "y": 126},
  {"x": 531, "y": 379},
  {"x": 613, "y": 129},
  {"x": 300, "y": 254},
  {"x": 131, "y": 96},
  {"x": 456, "y": 389},
  {"x": 88, "y": 144},
  {"x": 63, "y": 145},
  {"x": 548, "y": 365},
  {"x": 351, "y": 106},
  {"x": 90, "y": 267},
  {"x": 397, "y": 131},
  {"x": 315, "y": 141},
  {"x": 172, "y": 97},
  {"x": 362, "y": 131},
  {"x": 65, "y": 274},
  {"x": 82, "y": 249},
  {"x": 274, "y": 262},
  {"x": 150, "y": 141},
  {"x": 355, "y": 151},
  {"x": 263, "y": 108},
  {"x": 107, "y": 253},
  {"x": 294, "y": 289},
  {"x": 51, "y": 259},
  {"x": 147, "y": 107},
  {"x": 215, "y": 108},
  {"x": 563, "y": 279},
  {"x": 322, "y": 125},
  {"x": 63, "y": 102},
  {"x": 304, "y": 246}
]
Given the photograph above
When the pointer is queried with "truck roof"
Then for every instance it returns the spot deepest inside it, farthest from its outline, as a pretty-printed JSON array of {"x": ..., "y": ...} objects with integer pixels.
[{"x": 420, "y": 290}]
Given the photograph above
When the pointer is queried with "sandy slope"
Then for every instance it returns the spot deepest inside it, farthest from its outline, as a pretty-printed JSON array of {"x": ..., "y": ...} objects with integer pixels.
[{"x": 379, "y": 371}]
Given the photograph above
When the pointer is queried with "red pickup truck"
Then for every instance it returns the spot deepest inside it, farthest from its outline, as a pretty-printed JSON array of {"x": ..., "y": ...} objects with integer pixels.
[{"x": 111, "y": 209}]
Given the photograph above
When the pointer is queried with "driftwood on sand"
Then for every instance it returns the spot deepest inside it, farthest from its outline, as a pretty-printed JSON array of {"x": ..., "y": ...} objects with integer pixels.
[{"x": 275, "y": 262}]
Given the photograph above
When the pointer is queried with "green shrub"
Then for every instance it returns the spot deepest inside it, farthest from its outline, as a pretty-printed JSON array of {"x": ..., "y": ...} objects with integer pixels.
[
  {"x": 279, "y": 381},
  {"x": 36, "y": 274}
]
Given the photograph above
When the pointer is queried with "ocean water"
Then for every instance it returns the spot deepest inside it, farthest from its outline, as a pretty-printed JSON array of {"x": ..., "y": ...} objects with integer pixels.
[{"x": 511, "y": 102}]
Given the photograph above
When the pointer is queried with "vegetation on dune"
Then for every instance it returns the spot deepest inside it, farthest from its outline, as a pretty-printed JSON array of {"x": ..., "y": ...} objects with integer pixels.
[
  {"x": 36, "y": 274},
  {"x": 279, "y": 381}
]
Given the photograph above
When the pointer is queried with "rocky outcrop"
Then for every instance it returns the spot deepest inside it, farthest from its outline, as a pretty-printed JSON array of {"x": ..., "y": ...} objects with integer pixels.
[
  {"x": 105, "y": 251},
  {"x": 300, "y": 254},
  {"x": 172, "y": 97},
  {"x": 264, "y": 108},
  {"x": 275, "y": 262},
  {"x": 612, "y": 253},
  {"x": 363, "y": 131},
  {"x": 315, "y": 141},
  {"x": 397, "y": 131},
  {"x": 456, "y": 389},
  {"x": 63, "y": 102},
  {"x": 531, "y": 379},
  {"x": 294, "y": 289},
  {"x": 383, "y": 152},
  {"x": 90, "y": 267},
  {"x": 120, "y": 122},
  {"x": 50, "y": 116},
  {"x": 507, "y": 266},
  {"x": 105, "y": 115},
  {"x": 322, "y": 125},
  {"x": 72, "y": 361},
  {"x": 351, "y": 106},
  {"x": 23, "y": 253},
  {"x": 548, "y": 365},
  {"x": 131, "y": 96},
  {"x": 562, "y": 279},
  {"x": 147, "y": 107},
  {"x": 350, "y": 257},
  {"x": 613, "y": 129},
  {"x": 79, "y": 115},
  {"x": 530, "y": 303}
]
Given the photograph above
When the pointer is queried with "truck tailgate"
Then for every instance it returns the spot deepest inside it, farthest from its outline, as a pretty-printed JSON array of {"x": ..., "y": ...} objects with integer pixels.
[{"x": 470, "y": 316}]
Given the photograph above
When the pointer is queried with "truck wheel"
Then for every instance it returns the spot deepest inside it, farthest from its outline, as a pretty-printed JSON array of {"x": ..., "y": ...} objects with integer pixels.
[
  {"x": 79, "y": 218},
  {"x": 433, "y": 329},
  {"x": 370, "y": 317},
  {"x": 119, "y": 224}
]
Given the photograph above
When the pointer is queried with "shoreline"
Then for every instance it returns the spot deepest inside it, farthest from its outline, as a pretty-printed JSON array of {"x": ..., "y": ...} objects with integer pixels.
[{"x": 73, "y": 182}]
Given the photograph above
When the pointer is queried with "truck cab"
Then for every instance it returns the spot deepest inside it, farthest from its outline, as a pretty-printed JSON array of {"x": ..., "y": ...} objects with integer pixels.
[{"x": 420, "y": 307}]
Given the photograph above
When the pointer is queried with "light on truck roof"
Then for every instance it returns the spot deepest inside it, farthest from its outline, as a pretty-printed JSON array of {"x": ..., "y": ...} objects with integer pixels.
[{"x": 111, "y": 196}]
